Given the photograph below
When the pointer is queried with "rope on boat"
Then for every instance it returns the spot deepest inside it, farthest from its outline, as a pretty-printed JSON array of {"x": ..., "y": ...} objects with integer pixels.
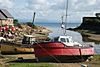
[
  {"x": 75, "y": 56},
  {"x": 49, "y": 53},
  {"x": 56, "y": 58}
]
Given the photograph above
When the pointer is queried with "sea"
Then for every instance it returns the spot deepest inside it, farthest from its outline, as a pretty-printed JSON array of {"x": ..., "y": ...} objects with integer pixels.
[{"x": 56, "y": 31}]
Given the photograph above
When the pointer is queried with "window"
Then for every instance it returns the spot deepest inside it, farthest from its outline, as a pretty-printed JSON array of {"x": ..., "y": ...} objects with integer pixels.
[
  {"x": 62, "y": 40},
  {"x": 67, "y": 40},
  {"x": 56, "y": 39}
]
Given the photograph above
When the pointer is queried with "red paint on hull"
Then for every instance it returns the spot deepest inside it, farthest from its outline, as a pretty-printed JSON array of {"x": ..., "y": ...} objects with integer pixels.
[{"x": 59, "y": 49}]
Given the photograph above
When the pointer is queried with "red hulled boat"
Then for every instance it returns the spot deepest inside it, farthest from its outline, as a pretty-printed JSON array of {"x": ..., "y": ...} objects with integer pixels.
[{"x": 61, "y": 49}]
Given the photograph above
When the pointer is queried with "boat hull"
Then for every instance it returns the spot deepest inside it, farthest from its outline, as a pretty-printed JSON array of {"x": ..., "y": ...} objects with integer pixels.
[
  {"x": 55, "y": 51},
  {"x": 11, "y": 49},
  {"x": 63, "y": 58}
]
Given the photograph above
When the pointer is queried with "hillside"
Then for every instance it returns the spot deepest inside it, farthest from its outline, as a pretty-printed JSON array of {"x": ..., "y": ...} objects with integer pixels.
[
  {"x": 38, "y": 31},
  {"x": 89, "y": 29},
  {"x": 19, "y": 30},
  {"x": 91, "y": 24}
]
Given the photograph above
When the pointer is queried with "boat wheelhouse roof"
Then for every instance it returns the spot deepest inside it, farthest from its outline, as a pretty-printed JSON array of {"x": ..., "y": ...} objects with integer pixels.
[
  {"x": 63, "y": 37},
  {"x": 5, "y": 13},
  {"x": 56, "y": 39}
]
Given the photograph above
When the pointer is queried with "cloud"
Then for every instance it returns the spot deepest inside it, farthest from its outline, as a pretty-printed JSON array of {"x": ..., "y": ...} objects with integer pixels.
[
  {"x": 50, "y": 10},
  {"x": 86, "y": 5},
  {"x": 6, "y": 4}
]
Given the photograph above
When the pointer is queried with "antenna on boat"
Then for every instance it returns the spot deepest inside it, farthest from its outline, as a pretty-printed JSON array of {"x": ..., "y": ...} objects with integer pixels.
[{"x": 63, "y": 26}]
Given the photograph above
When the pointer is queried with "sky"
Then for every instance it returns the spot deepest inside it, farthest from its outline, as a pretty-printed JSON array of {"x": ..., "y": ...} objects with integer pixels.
[{"x": 50, "y": 10}]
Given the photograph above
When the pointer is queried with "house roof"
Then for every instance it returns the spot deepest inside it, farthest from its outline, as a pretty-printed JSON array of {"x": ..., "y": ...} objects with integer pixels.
[
  {"x": 2, "y": 16},
  {"x": 5, "y": 14}
]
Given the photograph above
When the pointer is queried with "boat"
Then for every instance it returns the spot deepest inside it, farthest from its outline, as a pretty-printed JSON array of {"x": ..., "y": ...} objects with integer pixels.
[
  {"x": 18, "y": 48},
  {"x": 62, "y": 48},
  {"x": 13, "y": 49}
]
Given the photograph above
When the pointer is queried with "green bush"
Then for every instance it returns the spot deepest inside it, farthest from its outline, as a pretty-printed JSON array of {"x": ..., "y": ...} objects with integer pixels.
[{"x": 16, "y": 23}]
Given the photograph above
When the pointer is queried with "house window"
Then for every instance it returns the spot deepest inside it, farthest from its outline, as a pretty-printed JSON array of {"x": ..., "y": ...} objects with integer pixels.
[{"x": 9, "y": 20}]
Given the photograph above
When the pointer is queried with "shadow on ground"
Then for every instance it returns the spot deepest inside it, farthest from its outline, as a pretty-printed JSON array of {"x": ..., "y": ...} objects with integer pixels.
[
  {"x": 23, "y": 61},
  {"x": 35, "y": 61}
]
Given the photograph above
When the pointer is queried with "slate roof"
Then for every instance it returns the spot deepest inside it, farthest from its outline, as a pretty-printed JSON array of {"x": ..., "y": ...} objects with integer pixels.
[
  {"x": 5, "y": 14},
  {"x": 2, "y": 16}
]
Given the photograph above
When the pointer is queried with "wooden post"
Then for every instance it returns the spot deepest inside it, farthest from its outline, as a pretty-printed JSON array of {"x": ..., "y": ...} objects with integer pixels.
[
  {"x": 81, "y": 54},
  {"x": 33, "y": 17}
]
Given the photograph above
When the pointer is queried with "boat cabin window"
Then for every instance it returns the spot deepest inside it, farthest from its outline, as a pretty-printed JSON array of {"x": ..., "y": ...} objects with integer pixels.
[
  {"x": 67, "y": 40},
  {"x": 56, "y": 39},
  {"x": 62, "y": 40}
]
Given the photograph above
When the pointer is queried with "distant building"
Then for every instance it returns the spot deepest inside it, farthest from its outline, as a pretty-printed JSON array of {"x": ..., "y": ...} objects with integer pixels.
[
  {"x": 5, "y": 18},
  {"x": 97, "y": 14}
]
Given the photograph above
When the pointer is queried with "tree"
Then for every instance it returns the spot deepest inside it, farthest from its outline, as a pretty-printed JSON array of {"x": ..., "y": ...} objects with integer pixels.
[{"x": 16, "y": 23}]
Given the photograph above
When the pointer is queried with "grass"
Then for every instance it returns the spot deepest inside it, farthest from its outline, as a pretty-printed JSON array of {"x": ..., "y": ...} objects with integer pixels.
[
  {"x": 94, "y": 63},
  {"x": 31, "y": 65},
  {"x": 96, "y": 58}
]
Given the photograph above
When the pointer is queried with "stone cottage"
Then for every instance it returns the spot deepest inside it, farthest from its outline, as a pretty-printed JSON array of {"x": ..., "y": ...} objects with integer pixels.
[{"x": 5, "y": 18}]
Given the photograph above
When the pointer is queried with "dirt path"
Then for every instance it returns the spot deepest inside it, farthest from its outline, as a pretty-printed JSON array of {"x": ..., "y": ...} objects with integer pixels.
[
  {"x": 24, "y": 56},
  {"x": 30, "y": 58}
]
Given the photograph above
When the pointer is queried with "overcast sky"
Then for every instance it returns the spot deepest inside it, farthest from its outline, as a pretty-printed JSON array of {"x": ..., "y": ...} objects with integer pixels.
[{"x": 50, "y": 10}]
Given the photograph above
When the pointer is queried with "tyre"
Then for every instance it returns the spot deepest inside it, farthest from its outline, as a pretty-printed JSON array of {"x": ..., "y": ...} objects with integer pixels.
[{"x": 2, "y": 41}]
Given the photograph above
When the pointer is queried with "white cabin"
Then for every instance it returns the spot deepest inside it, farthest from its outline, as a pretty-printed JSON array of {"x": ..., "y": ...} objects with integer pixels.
[{"x": 67, "y": 40}]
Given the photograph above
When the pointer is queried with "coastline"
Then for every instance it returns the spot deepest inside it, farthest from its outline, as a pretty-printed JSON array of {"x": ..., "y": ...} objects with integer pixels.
[
  {"x": 89, "y": 29},
  {"x": 88, "y": 35}
]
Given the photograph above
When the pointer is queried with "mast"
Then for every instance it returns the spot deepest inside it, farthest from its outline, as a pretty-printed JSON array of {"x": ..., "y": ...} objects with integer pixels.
[
  {"x": 64, "y": 26},
  {"x": 66, "y": 17}
]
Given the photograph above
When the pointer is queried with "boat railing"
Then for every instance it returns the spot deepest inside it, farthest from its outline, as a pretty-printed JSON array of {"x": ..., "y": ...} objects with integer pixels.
[{"x": 88, "y": 44}]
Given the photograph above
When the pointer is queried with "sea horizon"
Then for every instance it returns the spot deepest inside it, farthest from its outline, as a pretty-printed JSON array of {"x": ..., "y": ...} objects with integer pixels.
[{"x": 53, "y": 24}]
